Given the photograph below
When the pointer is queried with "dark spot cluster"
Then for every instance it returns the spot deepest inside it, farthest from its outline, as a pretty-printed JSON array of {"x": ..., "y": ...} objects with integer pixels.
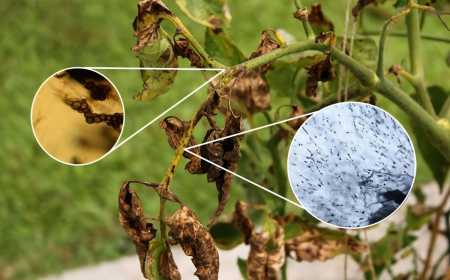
[
  {"x": 114, "y": 120},
  {"x": 98, "y": 92}
]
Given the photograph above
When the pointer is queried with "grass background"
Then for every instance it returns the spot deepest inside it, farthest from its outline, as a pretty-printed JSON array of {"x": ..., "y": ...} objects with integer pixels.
[{"x": 53, "y": 216}]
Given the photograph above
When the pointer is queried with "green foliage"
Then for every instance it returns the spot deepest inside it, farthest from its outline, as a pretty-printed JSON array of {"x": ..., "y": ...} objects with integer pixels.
[
  {"x": 219, "y": 46},
  {"x": 210, "y": 13},
  {"x": 226, "y": 235},
  {"x": 242, "y": 264}
]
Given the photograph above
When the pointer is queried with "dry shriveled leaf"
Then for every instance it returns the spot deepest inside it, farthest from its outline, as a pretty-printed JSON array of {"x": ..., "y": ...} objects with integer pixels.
[
  {"x": 183, "y": 49},
  {"x": 267, "y": 252},
  {"x": 359, "y": 6},
  {"x": 313, "y": 245},
  {"x": 196, "y": 242},
  {"x": 135, "y": 224},
  {"x": 266, "y": 45},
  {"x": 175, "y": 129},
  {"x": 167, "y": 266},
  {"x": 249, "y": 93},
  {"x": 318, "y": 20},
  {"x": 321, "y": 71}
]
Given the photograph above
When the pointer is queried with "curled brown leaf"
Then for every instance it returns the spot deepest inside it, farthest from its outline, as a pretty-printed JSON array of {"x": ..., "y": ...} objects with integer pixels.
[
  {"x": 302, "y": 14},
  {"x": 196, "y": 242},
  {"x": 359, "y": 6},
  {"x": 167, "y": 266},
  {"x": 317, "y": 19},
  {"x": 135, "y": 224},
  {"x": 321, "y": 71},
  {"x": 250, "y": 94},
  {"x": 266, "y": 45},
  {"x": 395, "y": 69},
  {"x": 175, "y": 129},
  {"x": 183, "y": 49}
]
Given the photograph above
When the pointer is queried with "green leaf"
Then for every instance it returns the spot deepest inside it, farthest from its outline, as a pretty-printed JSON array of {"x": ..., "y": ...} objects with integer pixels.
[
  {"x": 242, "y": 264},
  {"x": 438, "y": 97},
  {"x": 400, "y": 3},
  {"x": 383, "y": 251},
  {"x": 419, "y": 194},
  {"x": 222, "y": 48},
  {"x": 211, "y": 13},
  {"x": 226, "y": 235},
  {"x": 414, "y": 221},
  {"x": 433, "y": 158},
  {"x": 156, "y": 250}
]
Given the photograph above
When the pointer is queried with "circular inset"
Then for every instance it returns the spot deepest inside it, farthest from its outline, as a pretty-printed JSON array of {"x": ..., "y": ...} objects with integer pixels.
[
  {"x": 77, "y": 116},
  {"x": 351, "y": 165}
]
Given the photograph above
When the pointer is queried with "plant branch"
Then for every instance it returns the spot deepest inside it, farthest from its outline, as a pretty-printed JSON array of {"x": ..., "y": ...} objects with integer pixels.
[
  {"x": 306, "y": 26},
  {"x": 403, "y": 34},
  {"x": 445, "y": 110},
  {"x": 434, "y": 233},
  {"x": 415, "y": 52}
]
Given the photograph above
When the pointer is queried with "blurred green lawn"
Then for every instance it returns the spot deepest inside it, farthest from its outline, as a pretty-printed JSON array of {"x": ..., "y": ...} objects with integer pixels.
[{"x": 53, "y": 216}]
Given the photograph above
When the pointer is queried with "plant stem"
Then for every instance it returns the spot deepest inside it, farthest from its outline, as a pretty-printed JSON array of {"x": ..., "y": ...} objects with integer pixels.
[
  {"x": 280, "y": 173},
  {"x": 306, "y": 26},
  {"x": 415, "y": 53},
  {"x": 403, "y": 34},
  {"x": 181, "y": 29},
  {"x": 445, "y": 110},
  {"x": 434, "y": 233}
]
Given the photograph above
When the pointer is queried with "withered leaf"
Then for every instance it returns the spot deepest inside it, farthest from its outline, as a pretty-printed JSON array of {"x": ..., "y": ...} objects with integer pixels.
[
  {"x": 174, "y": 129},
  {"x": 395, "y": 69},
  {"x": 267, "y": 252},
  {"x": 250, "y": 94},
  {"x": 321, "y": 71},
  {"x": 359, "y": 6},
  {"x": 318, "y": 20},
  {"x": 320, "y": 244},
  {"x": 266, "y": 45},
  {"x": 146, "y": 34},
  {"x": 225, "y": 153},
  {"x": 167, "y": 266},
  {"x": 296, "y": 112},
  {"x": 302, "y": 14},
  {"x": 183, "y": 49},
  {"x": 196, "y": 242},
  {"x": 135, "y": 224}
]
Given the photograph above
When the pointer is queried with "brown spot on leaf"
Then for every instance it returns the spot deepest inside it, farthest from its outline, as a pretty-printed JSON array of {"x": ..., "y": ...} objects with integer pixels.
[
  {"x": 266, "y": 45},
  {"x": 167, "y": 266},
  {"x": 317, "y": 19},
  {"x": 183, "y": 49},
  {"x": 135, "y": 224},
  {"x": 196, "y": 242},
  {"x": 145, "y": 35},
  {"x": 321, "y": 71}
]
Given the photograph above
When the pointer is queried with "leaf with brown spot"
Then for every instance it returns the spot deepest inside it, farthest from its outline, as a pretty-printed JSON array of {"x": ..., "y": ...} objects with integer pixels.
[
  {"x": 175, "y": 129},
  {"x": 183, "y": 49},
  {"x": 266, "y": 45},
  {"x": 196, "y": 242},
  {"x": 249, "y": 94},
  {"x": 319, "y": 22},
  {"x": 167, "y": 266},
  {"x": 321, "y": 71},
  {"x": 296, "y": 112},
  {"x": 135, "y": 224}
]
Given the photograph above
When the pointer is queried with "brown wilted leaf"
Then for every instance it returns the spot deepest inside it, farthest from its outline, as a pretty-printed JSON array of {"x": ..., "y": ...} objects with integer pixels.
[
  {"x": 395, "y": 69},
  {"x": 267, "y": 252},
  {"x": 183, "y": 49},
  {"x": 302, "y": 14},
  {"x": 250, "y": 94},
  {"x": 266, "y": 45},
  {"x": 359, "y": 6},
  {"x": 296, "y": 112},
  {"x": 167, "y": 266},
  {"x": 146, "y": 34},
  {"x": 317, "y": 244},
  {"x": 318, "y": 20},
  {"x": 174, "y": 130},
  {"x": 286, "y": 135},
  {"x": 135, "y": 224},
  {"x": 196, "y": 242},
  {"x": 225, "y": 153},
  {"x": 321, "y": 71}
]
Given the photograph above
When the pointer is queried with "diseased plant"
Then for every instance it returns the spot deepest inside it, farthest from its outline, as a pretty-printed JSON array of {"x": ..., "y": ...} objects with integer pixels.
[{"x": 242, "y": 91}]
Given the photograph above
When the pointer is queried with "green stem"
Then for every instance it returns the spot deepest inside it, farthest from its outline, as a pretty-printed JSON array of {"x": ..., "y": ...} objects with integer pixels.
[
  {"x": 306, "y": 26},
  {"x": 445, "y": 110},
  {"x": 403, "y": 34},
  {"x": 415, "y": 52},
  {"x": 280, "y": 173}
]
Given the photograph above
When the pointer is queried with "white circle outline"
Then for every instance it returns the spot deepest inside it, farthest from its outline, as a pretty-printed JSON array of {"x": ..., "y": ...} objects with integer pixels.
[
  {"x": 118, "y": 139},
  {"x": 410, "y": 188}
]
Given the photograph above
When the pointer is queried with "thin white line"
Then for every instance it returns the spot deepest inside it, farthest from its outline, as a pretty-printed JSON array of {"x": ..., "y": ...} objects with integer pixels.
[
  {"x": 153, "y": 68},
  {"x": 245, "y": 179},
  {"x": 165, "y": 112},
  {"x": 250, "y": 130}
]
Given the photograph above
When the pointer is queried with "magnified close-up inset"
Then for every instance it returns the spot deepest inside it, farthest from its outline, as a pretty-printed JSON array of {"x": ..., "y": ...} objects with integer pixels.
[
  {"x": 351, "y": 165},
  {"x": 77, "y": 116}
]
